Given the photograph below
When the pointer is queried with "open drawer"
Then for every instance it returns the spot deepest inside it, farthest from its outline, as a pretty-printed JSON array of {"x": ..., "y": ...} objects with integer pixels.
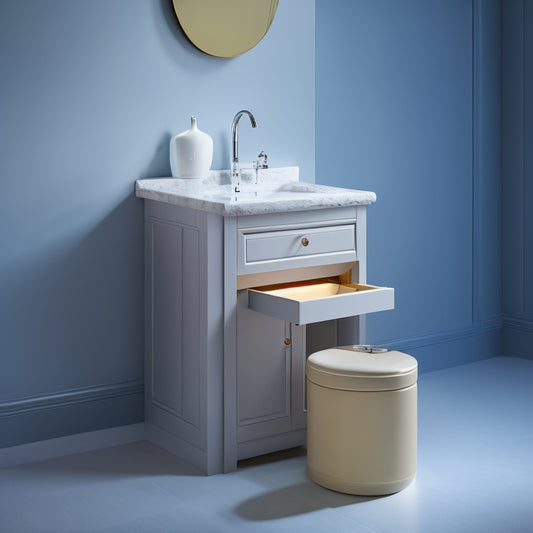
[{"x": 319, "y": 300}]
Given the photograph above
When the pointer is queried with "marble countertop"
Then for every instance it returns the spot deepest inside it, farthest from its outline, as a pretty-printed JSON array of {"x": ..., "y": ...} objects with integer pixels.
[{"x": 278, "y": 190}]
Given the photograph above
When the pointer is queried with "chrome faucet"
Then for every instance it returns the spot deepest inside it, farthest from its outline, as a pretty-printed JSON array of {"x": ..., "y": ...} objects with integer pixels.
[{"x": 235, "y": 171}]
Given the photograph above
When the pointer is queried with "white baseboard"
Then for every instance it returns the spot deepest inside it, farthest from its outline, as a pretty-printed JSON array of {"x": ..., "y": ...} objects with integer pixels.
[{"x": 71, "y": 444}]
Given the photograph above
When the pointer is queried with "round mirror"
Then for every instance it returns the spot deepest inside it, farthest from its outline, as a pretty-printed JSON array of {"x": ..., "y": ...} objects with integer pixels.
[{"x": 225, "y": 28}]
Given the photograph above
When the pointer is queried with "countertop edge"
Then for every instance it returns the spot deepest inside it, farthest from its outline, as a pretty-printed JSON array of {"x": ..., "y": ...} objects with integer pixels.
[
  {"x": 219, "y": 208},
  {"x": 189, "y": 195}
]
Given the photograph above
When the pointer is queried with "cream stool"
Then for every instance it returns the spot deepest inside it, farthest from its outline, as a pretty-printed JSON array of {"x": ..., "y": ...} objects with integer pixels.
[{"x": 361, "y": 419}]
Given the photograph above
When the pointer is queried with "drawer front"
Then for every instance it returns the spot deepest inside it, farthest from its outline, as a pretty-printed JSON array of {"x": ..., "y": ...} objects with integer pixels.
[
  {"x": 296, "y": 248},
  {"x": 319, "y": 301}
]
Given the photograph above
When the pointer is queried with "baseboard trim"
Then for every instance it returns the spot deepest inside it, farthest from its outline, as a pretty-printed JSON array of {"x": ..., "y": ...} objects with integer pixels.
[
  {"x": 70, "y": 397},
  {"x": 489, "y": 326},
  {"x": 521, "y": 324},
  {"x": 71, "y": 444},
  {"x": 453, "y": 347},
  {"x": 70, "y": 412},
  {"x": 517, "y": 337}
]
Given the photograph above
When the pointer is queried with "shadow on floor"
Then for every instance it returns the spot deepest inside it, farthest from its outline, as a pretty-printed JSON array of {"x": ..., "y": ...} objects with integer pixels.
[{"x": 292, "y": 500}]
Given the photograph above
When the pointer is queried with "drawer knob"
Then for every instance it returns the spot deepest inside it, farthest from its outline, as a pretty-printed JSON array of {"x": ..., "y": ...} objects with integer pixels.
[
  {"x": 287, "y": 341},
  {"x": 305, "y": 241}
]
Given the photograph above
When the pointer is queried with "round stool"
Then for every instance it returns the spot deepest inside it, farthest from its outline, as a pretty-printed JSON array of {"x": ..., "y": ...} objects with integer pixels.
[{"x": 361, "y": 419}]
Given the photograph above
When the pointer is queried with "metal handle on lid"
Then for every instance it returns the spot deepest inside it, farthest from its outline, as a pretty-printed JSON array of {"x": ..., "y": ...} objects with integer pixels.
[{"x": 366, "y": 348}]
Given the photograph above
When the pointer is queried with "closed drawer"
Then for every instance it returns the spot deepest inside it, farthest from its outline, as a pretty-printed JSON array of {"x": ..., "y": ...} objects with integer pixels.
[
  {"x": 296, "y": 248},
  {"x": 319, "y": 300}
]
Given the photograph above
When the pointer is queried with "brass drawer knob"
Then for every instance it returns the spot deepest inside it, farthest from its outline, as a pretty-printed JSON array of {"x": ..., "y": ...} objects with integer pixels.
[
  {"x": 287, "y": 341},
  {"x": 305, "y": 241}
]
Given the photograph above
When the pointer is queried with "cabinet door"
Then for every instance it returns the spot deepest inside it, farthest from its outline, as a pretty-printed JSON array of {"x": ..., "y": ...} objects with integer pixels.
[{"x": 263, "y": 374}]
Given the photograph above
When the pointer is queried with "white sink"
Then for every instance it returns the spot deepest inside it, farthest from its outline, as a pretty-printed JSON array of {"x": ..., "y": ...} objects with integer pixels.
[{"x": 288, "y": 190}]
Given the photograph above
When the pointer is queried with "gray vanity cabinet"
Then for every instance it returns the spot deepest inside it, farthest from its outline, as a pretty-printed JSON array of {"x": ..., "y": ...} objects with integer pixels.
[{"x": 224, "y": 381}]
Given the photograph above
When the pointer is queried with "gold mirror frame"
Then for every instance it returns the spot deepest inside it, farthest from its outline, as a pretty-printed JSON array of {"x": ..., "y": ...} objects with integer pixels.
[{"x": 225, "y": 28}]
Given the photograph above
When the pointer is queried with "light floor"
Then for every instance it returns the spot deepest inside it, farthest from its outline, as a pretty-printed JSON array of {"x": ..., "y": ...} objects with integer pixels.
[{"x": 475, "y": 474}]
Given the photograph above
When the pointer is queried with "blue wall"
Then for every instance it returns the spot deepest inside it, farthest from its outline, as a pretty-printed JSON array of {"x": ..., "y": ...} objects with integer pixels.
[
  {"x": 517, "y": 173},
  {"x": 91, "y": 93},
  {"x": 408, "y": 106}
]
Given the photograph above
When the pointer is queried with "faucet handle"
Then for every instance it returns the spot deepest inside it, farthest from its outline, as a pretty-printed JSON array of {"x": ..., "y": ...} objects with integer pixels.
[{"x": 262, "y": 160}]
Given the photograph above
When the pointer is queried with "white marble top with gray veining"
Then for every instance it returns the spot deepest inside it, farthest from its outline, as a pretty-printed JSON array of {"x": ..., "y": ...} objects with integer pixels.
[{"x": 277, "y": 190}]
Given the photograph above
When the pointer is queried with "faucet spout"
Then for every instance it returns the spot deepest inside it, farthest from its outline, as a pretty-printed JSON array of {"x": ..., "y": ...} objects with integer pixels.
[{"x": 235, "y": 173}]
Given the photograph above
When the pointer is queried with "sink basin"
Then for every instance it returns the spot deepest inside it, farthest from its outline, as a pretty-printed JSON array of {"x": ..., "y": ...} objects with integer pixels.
[
  {"x": 290, "y": 187},
  {"x": 293, "y": 187},
  {"x": 265, "y": 190},
  {"x": 278, "y": 190}
]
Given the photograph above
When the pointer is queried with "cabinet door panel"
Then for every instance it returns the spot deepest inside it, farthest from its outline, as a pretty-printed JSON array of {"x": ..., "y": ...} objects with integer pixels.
[
  {"x": 263, "y": 374},
  {"x": 166, "y": 324}
]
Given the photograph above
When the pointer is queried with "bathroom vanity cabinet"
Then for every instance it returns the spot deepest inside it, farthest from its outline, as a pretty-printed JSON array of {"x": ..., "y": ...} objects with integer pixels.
[{"x": 234, "y": 304}]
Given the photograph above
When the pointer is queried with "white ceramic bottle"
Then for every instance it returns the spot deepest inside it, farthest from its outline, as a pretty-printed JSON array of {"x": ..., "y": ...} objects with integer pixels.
[{"x": 191, "y": 153}]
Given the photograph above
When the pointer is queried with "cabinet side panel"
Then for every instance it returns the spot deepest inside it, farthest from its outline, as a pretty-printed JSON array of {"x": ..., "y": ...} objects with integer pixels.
[
  {"x": 184, "y": 334},
  {"x": 173, "y": 301}
]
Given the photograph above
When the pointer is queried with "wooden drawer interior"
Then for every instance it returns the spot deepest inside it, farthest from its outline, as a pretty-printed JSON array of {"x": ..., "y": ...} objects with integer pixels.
[{"x": 319, "y": 300}]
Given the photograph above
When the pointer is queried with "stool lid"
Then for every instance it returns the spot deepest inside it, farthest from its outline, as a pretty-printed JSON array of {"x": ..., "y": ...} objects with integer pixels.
[{"x": 346, "y": 368}]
